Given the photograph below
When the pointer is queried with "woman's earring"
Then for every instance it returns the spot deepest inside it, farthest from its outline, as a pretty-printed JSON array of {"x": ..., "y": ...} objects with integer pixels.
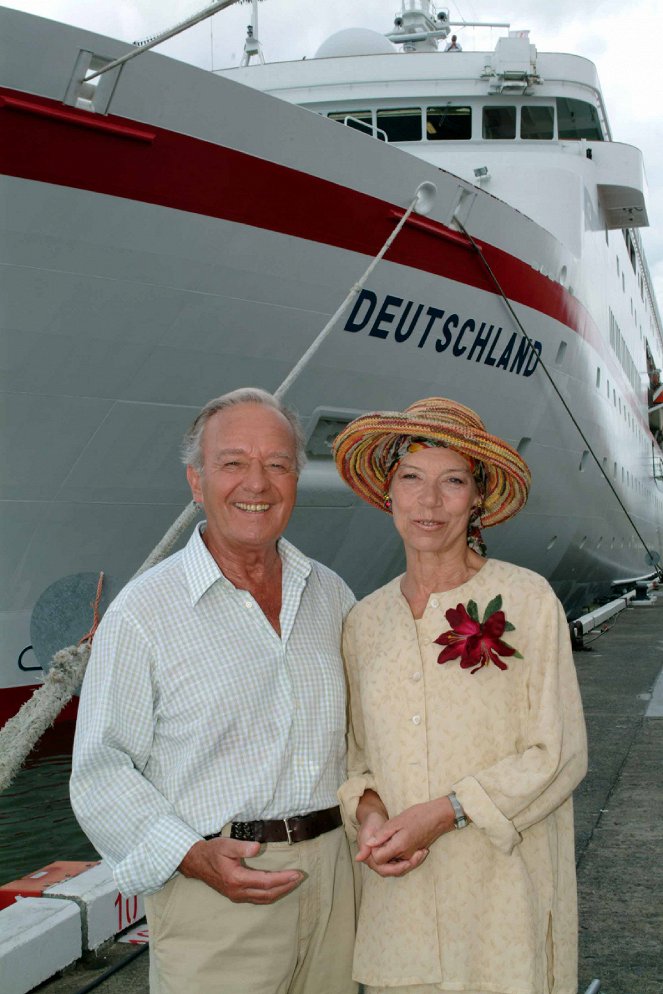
[{"x": 387, "y": 502}]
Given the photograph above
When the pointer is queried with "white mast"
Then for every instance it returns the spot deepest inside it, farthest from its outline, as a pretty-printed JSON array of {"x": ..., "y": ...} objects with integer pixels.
[{"x": 252, "y": 44}]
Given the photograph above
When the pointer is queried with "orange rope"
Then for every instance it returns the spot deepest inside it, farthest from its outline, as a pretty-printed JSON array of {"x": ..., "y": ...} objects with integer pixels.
[{"x": 95, "y": 607}]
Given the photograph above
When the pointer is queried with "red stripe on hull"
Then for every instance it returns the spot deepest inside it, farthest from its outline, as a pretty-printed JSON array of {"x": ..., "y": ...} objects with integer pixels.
[{"x": 46, "y": 141}]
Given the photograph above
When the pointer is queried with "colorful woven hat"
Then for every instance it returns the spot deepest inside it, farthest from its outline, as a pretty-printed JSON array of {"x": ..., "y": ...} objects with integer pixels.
[{"x": 367, "y": 448}]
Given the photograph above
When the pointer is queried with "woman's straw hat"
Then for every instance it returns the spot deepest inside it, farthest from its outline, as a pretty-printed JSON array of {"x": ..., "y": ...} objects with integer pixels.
[{"x": 366, "y": 452}]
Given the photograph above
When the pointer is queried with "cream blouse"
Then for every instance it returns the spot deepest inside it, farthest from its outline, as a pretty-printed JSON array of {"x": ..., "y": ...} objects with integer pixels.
[{"x": 493, "y": 907}]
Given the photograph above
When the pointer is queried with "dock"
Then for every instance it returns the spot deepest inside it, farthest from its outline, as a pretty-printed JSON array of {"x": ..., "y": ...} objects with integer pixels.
[{"x": 618, "y": 812}]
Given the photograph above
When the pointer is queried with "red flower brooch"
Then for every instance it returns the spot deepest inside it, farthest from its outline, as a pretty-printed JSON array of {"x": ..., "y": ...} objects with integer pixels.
[{"x": 476, "y": 642}]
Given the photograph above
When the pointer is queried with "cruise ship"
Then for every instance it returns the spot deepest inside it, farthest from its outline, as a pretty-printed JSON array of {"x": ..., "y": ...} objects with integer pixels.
[{"x": 171, "y": 233}]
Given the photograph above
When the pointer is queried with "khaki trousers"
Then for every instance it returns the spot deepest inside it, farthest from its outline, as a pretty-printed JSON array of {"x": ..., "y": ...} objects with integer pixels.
[{"x": 202, "y": 943}]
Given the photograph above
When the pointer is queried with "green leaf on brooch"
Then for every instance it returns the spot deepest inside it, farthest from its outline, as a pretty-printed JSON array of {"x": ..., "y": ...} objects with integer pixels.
[
  {"x": 493, "y": 606},
  {"x": 473, "y": 610},
  {"x": 508, "y": 627}
]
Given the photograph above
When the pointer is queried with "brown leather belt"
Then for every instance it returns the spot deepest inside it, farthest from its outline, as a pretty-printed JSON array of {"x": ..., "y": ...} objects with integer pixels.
[{"x": 290, "y": 830}]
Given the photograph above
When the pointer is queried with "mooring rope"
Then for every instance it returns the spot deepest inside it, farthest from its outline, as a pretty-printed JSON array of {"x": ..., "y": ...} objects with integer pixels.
[
  {"x": 148, "y": 43},
  {"x": 21, "y": 733},
  {"x": 479, "y": 251}
]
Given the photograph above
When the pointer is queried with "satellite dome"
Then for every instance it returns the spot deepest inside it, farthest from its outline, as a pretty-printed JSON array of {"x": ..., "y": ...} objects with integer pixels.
[{"x": 354, "y": 41}]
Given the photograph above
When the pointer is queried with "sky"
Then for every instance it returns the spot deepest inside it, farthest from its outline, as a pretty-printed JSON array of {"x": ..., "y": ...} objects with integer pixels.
[{"x": 621, "y": 38}]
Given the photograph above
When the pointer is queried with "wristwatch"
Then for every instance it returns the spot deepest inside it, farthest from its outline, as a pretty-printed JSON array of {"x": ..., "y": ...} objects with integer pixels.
[{"x": 460, "y": 818}]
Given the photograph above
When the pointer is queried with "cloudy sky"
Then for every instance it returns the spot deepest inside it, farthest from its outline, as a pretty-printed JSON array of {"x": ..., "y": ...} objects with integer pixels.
[{"x": 621, "y": 38}]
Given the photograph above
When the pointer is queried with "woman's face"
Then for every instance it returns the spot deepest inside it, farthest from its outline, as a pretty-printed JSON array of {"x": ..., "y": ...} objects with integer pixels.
[{"x": 433, "y": 493}]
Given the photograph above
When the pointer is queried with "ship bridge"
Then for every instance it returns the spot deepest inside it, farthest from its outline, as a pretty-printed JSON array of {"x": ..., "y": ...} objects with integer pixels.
[{"x": 477, "y": 115}]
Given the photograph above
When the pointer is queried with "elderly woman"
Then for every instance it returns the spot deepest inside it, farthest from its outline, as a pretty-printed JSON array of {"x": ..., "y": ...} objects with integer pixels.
[{"x": 467, "y": 735}]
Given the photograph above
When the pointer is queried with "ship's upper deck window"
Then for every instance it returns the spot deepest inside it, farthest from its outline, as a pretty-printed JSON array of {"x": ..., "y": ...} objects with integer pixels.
[
  {"x": 448, "y": 123},
  {"x": 402, "y": 124},
  {"x": 499, "y": 122},
  {"x": 361, "y": 120},
  {"x": 537, "y": 122},
  {"x": 577, "y": 119}
]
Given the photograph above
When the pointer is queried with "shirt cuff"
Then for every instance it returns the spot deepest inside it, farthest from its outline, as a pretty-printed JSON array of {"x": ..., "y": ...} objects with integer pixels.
[
  {"x": 349, "y": 795},
  {"x": 155, "y": 860},
  {"x": 478, "y": 806}
]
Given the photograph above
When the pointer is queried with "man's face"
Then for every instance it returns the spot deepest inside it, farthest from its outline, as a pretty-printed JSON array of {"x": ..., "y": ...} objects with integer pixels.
[{"x": 248, "y": 484}]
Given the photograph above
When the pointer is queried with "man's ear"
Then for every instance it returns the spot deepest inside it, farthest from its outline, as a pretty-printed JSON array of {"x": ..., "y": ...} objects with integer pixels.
[{"x": 193, "y": 477}]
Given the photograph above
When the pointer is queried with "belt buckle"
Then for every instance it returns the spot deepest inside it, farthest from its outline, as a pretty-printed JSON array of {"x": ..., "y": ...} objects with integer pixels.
[{"x": 288, "y": 832}]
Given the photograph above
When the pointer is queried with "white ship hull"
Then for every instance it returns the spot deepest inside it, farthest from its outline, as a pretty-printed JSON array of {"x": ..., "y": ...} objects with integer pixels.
[{"x": 196, "y": 238}]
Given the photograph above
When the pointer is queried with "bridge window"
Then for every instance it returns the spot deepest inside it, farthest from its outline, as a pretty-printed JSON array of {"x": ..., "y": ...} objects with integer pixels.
[
  {"x": 499, "y": 122},
  {"x": 537, "y": 122},
  {"x": 448, "y": 123},
  {"x": 360, "y": 120},
  {"x": 577, "y": 119},
  {"x": 402, "y": 124}
]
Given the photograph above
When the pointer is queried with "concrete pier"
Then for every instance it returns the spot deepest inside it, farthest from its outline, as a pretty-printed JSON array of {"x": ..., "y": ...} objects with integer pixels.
[
  {"x": 619, "y": 821},
  {"x": 619, "y": 807}
]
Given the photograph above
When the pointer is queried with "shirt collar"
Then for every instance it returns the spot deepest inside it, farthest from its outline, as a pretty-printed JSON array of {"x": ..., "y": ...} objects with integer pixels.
[{"x": 202, "y": 572}]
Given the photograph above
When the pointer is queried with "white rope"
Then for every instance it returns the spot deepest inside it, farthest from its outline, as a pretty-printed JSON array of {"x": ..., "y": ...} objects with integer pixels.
[
  {"x": 21, "y": 733},
  {"x": 202, "y": 15},
  {"x": 313, "y": 348},
  {"x": 181, "y": 524}
]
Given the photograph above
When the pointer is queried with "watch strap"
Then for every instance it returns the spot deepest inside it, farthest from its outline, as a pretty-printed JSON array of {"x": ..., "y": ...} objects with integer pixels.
[{"x": 460, "y": 818}]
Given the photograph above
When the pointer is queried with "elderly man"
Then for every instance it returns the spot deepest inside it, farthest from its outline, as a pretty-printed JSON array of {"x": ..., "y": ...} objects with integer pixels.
[{"x": 211, "y": 733}]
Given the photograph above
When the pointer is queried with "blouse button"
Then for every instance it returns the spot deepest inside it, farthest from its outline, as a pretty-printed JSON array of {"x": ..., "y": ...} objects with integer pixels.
[
  {"x": 434, "y": 602},
  {"x": 416, "y": 719},
  {"x": 416, "y": 677}
]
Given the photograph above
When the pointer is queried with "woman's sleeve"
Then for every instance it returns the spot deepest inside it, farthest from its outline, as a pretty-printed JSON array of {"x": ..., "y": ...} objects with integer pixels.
[
  {"x": 360, "y": 777},
  {"x": 525, "y": 787}
]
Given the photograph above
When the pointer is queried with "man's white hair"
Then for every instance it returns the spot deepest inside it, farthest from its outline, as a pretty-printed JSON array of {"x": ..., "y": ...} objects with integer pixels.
[{"x": 192, "y": 451}]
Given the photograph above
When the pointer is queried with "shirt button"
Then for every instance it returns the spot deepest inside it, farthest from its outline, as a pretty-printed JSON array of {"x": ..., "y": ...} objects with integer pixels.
[
  {"x": 416, "y": 677},
  {"x": 247, "y": 603},
  {"x": 434, "y": 602},
  {"x": 416, "y": 719}
]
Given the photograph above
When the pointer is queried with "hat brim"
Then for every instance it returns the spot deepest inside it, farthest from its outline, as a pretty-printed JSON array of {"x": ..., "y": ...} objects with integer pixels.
[{"x": 364, "y": 447}]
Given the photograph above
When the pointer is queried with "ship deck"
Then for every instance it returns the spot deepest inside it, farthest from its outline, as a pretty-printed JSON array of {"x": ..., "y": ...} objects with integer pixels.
[{"x": 619, "y": 821}]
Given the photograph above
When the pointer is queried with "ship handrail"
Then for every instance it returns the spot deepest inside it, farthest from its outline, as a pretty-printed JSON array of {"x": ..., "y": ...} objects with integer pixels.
[
  {"x": 76, "y": 118},
  {"x": 372, "y": 128},
  {"x": 435, "y": 229}
]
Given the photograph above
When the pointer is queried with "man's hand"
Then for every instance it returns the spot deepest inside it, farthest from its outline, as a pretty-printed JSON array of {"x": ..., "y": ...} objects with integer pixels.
[{"x": 219, "y": 864}]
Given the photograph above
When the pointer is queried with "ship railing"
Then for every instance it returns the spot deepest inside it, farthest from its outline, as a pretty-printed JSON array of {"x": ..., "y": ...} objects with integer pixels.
[{"x": 367, "y": 126}]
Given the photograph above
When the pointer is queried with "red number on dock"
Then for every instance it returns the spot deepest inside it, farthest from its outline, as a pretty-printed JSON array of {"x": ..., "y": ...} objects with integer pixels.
[{"x": 127, "y": 910}]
